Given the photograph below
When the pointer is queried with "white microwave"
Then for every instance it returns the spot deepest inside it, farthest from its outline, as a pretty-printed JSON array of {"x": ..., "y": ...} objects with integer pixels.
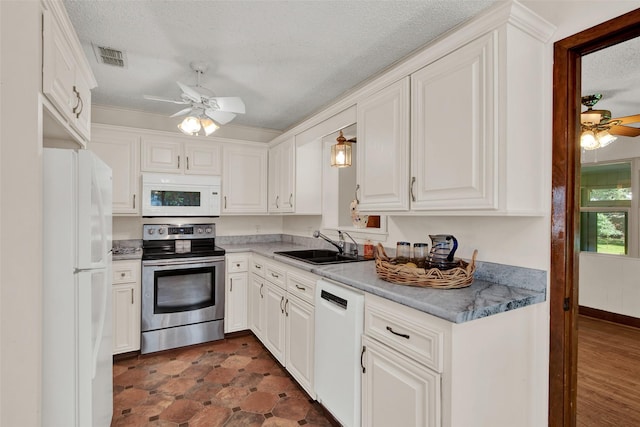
[{"x": 180, "y": 195}]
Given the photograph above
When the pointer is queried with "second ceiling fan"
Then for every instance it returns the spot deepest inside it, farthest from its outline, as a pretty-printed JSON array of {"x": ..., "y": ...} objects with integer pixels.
[{"x": 599, "y": 128}]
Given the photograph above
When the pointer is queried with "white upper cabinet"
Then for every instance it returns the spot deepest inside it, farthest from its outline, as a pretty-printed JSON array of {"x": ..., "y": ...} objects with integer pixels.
[
  {"x": 67, "y": 79},
  {"x": 244, "y": 180},
  {"x": 453, "y": 139},
  {"x": 180, "y": 155},
  {"x": 282, "y": 177},
  {"x": 120, "y": 149},
  {"x": 383, "y": 149}
]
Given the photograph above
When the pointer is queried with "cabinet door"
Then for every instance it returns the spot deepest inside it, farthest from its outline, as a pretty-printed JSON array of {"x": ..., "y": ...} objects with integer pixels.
[
  {"x": 121, "y": 151},
  {"x": 256, "y": 306},
  {"x": 274, "y": 201},
  {"x": 162, "y": 155},
  {"x": 203, "y": 158},
  {"x": 58, "y": 67},
  {"x": 299, "y": 317},
  {"x": 244, "y": 180},
  {"x": 383, "y": 149},
  {"x": 397, "y": 391},
  {"x": 274, "y": 336},
  {"x": 235, "y": 318},
  {"x": 287, "y": 176},
  {"x": 126, "y": 337},
  {"x": 453, "y": 139}
]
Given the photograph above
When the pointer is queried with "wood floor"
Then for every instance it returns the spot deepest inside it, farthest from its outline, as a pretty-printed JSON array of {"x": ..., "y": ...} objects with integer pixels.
[{"x": 608, "y": 374}]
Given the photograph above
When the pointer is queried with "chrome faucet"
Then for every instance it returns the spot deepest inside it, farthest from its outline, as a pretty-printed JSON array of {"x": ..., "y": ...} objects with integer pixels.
[
  {"x": 339, "y": 245},
  {"x": 354, "y": 251}
]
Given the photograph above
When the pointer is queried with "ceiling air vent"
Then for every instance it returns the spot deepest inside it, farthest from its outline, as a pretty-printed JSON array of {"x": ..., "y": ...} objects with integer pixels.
[{"x": 110, "y": 56}]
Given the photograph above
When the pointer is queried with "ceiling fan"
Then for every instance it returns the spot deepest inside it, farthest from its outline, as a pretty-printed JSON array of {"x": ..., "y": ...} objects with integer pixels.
[
  {"x": 598, "y": 128},
  {"x": 205, "y": 110}
]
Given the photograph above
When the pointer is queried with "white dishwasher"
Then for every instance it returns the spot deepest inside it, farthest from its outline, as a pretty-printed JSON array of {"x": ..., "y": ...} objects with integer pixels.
[{"x": 339, "y": 321}]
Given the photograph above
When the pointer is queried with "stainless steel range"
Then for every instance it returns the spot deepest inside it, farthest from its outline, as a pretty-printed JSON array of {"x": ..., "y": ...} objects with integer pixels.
[{"x": 182, "y": 286}]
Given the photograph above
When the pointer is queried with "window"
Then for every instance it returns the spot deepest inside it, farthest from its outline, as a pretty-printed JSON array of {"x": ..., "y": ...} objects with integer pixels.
[{"x": 605, "y": 208}]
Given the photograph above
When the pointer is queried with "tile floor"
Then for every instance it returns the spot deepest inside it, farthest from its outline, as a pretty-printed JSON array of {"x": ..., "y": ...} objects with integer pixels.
[{"x": 232, "y": 382}]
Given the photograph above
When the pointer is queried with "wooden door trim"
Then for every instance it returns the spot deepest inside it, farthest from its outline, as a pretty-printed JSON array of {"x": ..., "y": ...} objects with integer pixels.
[{"x": 565, "y": 209}]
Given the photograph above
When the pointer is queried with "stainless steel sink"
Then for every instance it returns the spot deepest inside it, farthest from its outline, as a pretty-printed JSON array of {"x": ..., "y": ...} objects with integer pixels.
[{"x": 321, "y": 256}]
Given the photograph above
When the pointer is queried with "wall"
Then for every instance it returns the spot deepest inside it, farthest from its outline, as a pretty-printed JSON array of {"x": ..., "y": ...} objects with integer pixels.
[{"x": 20, "y": 214}]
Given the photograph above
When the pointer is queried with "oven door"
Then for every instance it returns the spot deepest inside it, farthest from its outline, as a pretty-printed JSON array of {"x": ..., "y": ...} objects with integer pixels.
[{"x": 177, "y": 292}]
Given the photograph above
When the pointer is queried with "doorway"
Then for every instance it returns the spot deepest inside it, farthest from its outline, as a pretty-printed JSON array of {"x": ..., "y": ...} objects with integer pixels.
[{"x": 566, "y": 207}]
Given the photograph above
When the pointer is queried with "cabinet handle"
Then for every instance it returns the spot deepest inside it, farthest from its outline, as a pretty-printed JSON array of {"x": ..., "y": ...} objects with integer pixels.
[
  {"x": 413, "y": 181},
  {"x": 178, "y": 162},
  {"x": 231, "y": 284},
  {"x": 357, "y": 189},
  {"x": 261, "y": 285},
  {"x": 80, "y": 105},
  {"x": 300, "y": 287},
  {"x": 131, "y": 295},
  {"x": 277, "y": 200},
  {"x": 275, "y": 275},
  {"x": 291, "y": 200},
  {"x": 122, "y": 274},
  {"x": 238, "y": 265},
  {"x": 286, "y": 308},
  {"x": 134, "y": 201},
  {"x": 396, "y": 333},
  {"x": 187, "y": 162},
  {"x": 225, "y": 202},
  {"x": 364, "y": 348},
  {"x": 281, "y": 306},
  {"x": 257, "y": 266}
]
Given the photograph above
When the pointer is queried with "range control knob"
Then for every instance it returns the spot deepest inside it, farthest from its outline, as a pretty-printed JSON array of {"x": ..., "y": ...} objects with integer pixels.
[
  {"x": 161, "y": 231},
  {"x": 151, "y": 231},
  {"x": 199, "y": 230},
  {"x": 208, "y": 230}
]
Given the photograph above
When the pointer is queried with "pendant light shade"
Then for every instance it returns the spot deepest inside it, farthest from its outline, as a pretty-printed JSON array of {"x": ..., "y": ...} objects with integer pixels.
[{"x": 341, "y": 152}]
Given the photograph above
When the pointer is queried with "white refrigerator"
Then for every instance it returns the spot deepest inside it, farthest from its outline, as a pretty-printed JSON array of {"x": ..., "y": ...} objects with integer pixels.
[{"x": 77, "y": 383}]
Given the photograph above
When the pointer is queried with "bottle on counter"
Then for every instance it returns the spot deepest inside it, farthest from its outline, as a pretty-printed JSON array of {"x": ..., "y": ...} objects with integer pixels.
[{"x": 368, "y": 249}]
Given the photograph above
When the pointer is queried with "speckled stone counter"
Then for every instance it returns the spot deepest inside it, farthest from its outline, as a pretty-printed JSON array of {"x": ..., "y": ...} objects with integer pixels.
[
  {"x": 496, "y": 288},
  {"x": 127, "y": 249}
]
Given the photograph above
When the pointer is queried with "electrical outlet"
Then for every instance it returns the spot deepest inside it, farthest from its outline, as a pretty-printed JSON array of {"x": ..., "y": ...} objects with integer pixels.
[{"x": 257, "y": 229}]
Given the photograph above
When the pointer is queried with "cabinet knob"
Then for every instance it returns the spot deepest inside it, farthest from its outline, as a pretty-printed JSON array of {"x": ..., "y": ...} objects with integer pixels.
[{"x": 122, "y": 274}]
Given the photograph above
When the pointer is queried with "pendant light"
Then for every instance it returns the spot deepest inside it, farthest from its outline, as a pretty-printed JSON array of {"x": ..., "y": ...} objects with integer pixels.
[{"x": 341, "y": 152}]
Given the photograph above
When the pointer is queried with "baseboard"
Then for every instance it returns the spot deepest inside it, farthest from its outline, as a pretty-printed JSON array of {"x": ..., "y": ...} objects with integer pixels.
[{"x": 609, "y": 317}]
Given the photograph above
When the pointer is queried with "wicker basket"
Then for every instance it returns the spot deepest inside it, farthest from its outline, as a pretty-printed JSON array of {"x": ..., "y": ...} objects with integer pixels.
[{"x": 458, "y": 277}]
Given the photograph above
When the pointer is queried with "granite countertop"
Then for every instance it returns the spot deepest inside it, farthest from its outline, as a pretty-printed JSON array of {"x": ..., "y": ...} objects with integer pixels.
[{"x": 490, "y": 293}]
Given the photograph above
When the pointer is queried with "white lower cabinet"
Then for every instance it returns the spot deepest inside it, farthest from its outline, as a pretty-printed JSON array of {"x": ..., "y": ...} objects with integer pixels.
[
  {"x": 281, "y": 315},
  {"x": 402, "y": 364},
  {"x": 126, "y": 306},
  {"x": 237, "y": 283},
  {"x": 397, "y": 390}
]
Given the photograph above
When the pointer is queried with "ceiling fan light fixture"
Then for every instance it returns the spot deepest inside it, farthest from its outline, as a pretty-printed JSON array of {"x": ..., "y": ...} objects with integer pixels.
[
  {"x": 588, "y": 140},
  {"x": 341, "y": 152},
  {"x": 209, "y": 126},
  {"x": 190, "y": 125},
  {"x": 604, "y": 138},
  {"x": 590, "y": 117}
]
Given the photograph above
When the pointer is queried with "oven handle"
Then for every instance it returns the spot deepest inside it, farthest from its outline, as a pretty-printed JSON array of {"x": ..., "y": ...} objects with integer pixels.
[{"x": 181, "y": 261}]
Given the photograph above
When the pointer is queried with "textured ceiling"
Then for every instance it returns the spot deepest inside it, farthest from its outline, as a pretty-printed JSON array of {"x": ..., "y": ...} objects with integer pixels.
[
  {"x": 285, "y": 59},
  {"x": 615, "y": 73}
]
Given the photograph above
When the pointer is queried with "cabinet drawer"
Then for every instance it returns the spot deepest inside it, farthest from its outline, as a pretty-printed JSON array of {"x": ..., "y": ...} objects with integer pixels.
[
  {"x": 411, "y": 332},
  {"x": 276, "y": 274},
  {"x": 237, "y": 263},
  {"x": 258, "y": 266},
  {"x": 125, "y": 271},
  {"x": 302, "y": 285}
]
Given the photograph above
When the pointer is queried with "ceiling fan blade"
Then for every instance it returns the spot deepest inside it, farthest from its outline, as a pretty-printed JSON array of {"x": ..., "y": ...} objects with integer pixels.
[
  {"x": 182, "y": 112},
  {"x": 190, "y": 92},
  {"x": 628, "y": 119},
  {"x": 222, "y": 117},
  {"x": 624, "y": 130},
  {"x": 232, "y": 104},
  {"x": 157, "y": 98}
]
